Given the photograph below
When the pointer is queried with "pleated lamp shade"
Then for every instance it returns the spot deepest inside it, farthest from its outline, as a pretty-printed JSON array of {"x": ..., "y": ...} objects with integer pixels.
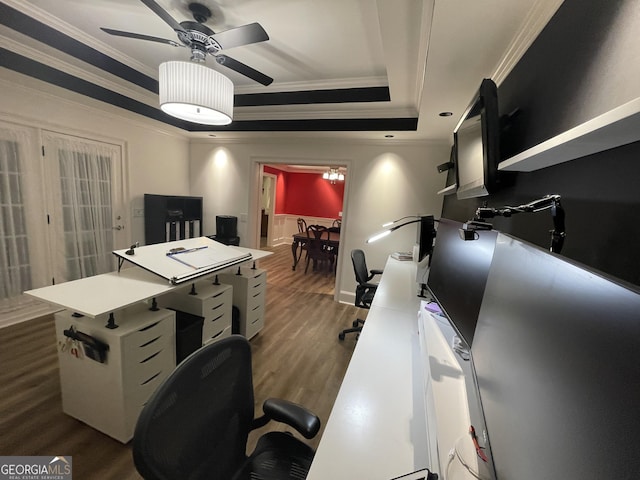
[{"x": 191, "y": 91}]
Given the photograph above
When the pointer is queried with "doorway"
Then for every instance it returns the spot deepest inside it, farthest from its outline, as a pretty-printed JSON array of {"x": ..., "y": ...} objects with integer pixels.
[
  {"x": 267, "y": 209},
  {"x": 282, "y": 224}
]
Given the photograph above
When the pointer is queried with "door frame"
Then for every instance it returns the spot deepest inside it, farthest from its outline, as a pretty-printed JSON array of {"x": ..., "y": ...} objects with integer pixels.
[
  {"x": 255, "y": 185},
  {"x": 271, "y": 212}
]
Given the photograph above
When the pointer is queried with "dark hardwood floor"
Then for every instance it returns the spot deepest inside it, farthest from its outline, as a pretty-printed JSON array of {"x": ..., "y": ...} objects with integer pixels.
[{"x": 296, "y": 356}]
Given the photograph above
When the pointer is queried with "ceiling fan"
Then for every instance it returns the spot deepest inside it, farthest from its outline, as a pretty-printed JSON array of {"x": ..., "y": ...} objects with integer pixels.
[{"x": 202, "y": 40}]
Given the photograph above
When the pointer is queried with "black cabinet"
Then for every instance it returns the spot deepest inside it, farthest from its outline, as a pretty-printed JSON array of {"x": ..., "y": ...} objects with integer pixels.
[{"x": 171, "y": 217}]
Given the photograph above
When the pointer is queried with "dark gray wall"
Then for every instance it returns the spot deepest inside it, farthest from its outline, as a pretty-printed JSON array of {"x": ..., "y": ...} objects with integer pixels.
[{"x": 584, "y": 63}]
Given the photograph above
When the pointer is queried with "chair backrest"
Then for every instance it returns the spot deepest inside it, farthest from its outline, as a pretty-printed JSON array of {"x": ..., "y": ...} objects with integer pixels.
[
  {"x": 337, "y": 223},
  {"x": 302, "y": 225},
  {"x": 315, "y": 235},
  {"x": 360, "y": 266},
  {"x": 317, "y": 232},
  {"x": 196, "y": 424}
]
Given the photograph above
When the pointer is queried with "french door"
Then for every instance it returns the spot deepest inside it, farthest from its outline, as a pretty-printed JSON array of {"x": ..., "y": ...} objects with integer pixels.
[
  {"x": 61, "y": 203},
  {"x": 85, "y": 215}
]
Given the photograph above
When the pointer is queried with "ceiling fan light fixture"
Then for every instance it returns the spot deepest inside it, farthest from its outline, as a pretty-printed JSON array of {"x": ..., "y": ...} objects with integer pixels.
[{"x": 193, "y": 92}]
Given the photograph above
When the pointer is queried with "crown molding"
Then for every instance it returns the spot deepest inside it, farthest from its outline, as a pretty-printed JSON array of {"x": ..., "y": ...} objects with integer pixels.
[{"x": 538, "y": 17}]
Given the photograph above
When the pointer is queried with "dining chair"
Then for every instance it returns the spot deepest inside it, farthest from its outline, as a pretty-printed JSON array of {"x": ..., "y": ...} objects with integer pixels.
[
  {"x": 317, "y": 249},
  {"x": 302, "y": 228}
]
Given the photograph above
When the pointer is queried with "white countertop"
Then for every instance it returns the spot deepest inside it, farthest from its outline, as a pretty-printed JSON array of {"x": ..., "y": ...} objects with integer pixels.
[{"x": 377, "y": 427}]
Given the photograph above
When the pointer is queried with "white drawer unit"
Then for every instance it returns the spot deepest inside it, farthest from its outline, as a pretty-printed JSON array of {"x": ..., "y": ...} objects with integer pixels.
[
  {"x": 108, "y": 393},
  {"x": 208, "y": 300},
  {"x": 249, "y": 291}
]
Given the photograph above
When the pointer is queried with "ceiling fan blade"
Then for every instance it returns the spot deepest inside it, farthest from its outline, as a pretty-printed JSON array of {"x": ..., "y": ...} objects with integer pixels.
[
  {"x": 236, "y": 37},
  {"x": 243, "y": 69},
  {"x": 139, "y": 36},
  {"x": 162, "y": 13}
]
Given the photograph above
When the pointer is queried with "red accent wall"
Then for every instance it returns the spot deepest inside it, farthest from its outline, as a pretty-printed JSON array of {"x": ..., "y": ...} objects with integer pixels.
[{"x": 307, "y": 194}]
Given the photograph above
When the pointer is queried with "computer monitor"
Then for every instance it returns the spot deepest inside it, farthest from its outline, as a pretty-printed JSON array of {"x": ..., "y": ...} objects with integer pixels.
[
  {"x": 458, "y": 274},
  {"x": 556, "y": 355}
]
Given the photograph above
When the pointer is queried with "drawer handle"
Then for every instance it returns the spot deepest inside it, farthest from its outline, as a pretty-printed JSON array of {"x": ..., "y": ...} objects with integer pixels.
[
  {"x": 217, "y": 306},
  {"x": 217, "y": 318},
  {"x": 257, "y": 295},
  {"x": 151, "y": 378},
  {"x": 217, "y": 335},
  {"x": 258, "y": 285},
  {"x": 150, "y": 342},
  {"x": 148, "y": 327},
  {"x": 217, "y": 295},
  {"x": 255, "y": 321},
  {"x": 256, "y": 308},
  {"x": 150, "y": 357}
]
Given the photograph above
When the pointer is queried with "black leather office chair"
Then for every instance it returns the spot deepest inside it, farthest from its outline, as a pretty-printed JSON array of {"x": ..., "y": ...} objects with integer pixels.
[
  {"x": 195, "y": 426},
  {"x": 365, "y": 290},
  {"x": 227, "y": 230}
]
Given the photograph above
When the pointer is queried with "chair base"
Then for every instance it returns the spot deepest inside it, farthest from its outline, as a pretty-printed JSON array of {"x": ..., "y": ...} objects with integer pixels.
[{"x": 357, "y": 328}]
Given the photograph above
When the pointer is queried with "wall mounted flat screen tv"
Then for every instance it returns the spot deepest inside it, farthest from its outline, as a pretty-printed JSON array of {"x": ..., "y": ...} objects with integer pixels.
[
  {"x": 476, "y": 142},
  {"x": 458, "y": 275},
  {"x": 556, "y": 358}
]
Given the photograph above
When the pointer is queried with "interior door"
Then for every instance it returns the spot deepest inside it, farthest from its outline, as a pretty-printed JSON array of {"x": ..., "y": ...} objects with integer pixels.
[{"x": 268, "y": 207}]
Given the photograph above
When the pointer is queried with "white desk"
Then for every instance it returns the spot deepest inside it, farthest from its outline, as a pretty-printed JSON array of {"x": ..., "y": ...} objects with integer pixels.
[
  {"x": 109, "y": 395},
  {"x": 106, "y": 293},
  {"x": 377, "y": 428}
]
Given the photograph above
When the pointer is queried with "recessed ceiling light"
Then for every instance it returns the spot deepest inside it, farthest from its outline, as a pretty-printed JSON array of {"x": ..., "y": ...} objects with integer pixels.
[
  {"x": 388, "y": 136},
  {"x": 212, "y": 135},
  {"x": 445, "y": 114}
]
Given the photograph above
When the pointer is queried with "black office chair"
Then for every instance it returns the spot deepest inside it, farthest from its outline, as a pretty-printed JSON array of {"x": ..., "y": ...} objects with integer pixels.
[
  {"x": 195, "y": 426},
  {"x": 227, "y": 230},
  {"x": 365, "y": 290}
]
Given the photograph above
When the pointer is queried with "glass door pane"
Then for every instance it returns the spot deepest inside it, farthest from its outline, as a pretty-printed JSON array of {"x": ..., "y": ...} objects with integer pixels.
[{"x": 86, "y": 214}]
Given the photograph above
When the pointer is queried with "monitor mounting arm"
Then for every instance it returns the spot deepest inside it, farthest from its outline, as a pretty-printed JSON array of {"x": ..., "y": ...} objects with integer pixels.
[{"x": 548, "y": 202}]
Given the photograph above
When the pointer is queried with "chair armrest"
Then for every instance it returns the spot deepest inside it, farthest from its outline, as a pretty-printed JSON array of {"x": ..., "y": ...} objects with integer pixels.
[
  {"x": 292, "y": 414},
  {"x": 376, "y": 272}
]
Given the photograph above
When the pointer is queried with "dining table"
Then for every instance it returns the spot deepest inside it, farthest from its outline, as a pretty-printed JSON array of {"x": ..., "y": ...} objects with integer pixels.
[{"x": 300, "y": 239}]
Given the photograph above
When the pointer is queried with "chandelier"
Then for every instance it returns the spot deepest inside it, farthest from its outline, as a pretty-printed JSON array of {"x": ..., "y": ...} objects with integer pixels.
[
  {"x": 333, "y": 174},
  {"x": 193, "y": 92}
]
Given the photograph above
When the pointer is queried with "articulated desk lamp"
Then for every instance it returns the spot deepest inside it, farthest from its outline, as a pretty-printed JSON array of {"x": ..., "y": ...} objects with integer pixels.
[
  {"x": 424, "y": 241},
  {"x": 469, "y": 231}
]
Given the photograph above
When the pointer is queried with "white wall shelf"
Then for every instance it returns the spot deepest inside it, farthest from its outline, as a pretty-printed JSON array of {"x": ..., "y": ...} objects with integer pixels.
[
  {"x": 614, "y": 128},
  {"x": 448, "y": 190}
]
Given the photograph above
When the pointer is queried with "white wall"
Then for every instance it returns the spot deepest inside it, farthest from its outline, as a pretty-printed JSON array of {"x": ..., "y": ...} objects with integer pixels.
[
  {"x": 384, "y": 181},
  {"x": 157, "y": 157}
]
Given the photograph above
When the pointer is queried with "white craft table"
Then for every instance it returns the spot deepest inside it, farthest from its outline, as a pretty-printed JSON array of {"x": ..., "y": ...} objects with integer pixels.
[
  {"x": 109, "y": 292},
  {"x": 109, "y": 394}
]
